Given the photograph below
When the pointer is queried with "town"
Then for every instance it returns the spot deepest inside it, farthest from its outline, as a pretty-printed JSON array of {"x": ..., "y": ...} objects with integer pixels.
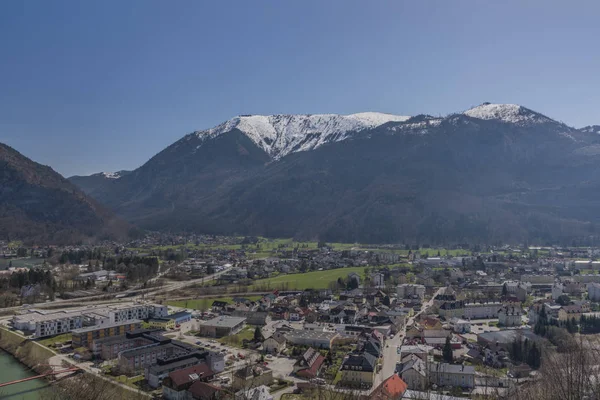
[{"x": 213, "y": 318}]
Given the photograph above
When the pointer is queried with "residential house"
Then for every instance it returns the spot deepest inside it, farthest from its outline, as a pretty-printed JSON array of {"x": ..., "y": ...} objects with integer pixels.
[
  {"x": 413, "y": 371},
  {"x": 275, "y": 343},
  {"x": 358, "y": 371},
  {"x": 309, "y": 364},
  {"x": 252, "y": 376},
  {"x": 176, "y": 385},
  {"x": 393, "y": 388},
  {"x": 510, "y": 316},
  {"x": 452, "y": 375}
]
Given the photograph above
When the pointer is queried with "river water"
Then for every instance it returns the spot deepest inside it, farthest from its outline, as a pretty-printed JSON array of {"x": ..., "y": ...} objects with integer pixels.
[{"x": 10, "y": 370}]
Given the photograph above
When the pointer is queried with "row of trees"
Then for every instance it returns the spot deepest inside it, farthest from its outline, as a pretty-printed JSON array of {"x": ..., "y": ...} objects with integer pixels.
[{"x": 527, "y": 352}]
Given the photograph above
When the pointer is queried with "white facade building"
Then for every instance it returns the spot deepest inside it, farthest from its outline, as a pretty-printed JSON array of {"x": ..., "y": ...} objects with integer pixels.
[
  {"x": 594, "y": 291},
  {"x": 407, "y": 290},
  {"x": 482, "y": 310}
]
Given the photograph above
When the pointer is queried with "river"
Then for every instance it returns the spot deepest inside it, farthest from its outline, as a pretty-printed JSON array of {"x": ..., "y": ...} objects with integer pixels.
[{"x": 10, "y": 370}]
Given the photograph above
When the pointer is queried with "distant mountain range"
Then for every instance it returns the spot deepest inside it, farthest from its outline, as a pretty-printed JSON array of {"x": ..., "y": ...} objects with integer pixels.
[
  {"x": 38, "y": 205},
  {"x": 494, "y": 173}
]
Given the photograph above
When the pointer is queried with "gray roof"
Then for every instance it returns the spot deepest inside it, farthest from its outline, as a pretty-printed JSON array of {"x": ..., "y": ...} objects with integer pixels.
[
  {"x": 507, "y": 336},
  {"x": 104, "y": 326},
  {"x": 224, "y": 322},
  {"x": 452, "y": 368}
]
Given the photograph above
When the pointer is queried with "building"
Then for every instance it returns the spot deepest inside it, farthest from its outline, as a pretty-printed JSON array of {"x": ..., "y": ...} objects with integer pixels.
[
  {"x": 309, "y": 364},
  {"x": 358, "y": 371},
  {"x": 557, "y": 290},
  {"x": 109, "y": 348},
  {"x": 378, "y": 280},
  {"x": 137, "y": 359},
  {"x": 85, "y": 337},
  {"x": 505, "y": 338},
  {"x": 413, "y": 371},
  {"x": 393, "y": 388},
  {"x": 261, "y": 392},
  {"x": 251, "y": 376},
  {"x": 510, "y": 316},
  {"x": 316, "y": 339},
  {"x": 452, "y": 309},
  {"x": 275, "y": 343},
  {"x": 41, "y": 323},
  {"x": 121, "y": 313},
  {"x": 205, "y": 391},
  {"x": 454, "y": 375},
  {"x": 594, "y": 291},
  {"x": 482, "y": 310},
  {"x": 180, "y": 317},
  {"x": 177, "y": 383},
  {"x": 222, "y": 326},
  {"x": 164, "y": 366},
  {"x": 460, "y": 325},
  {"x": 419, "y": 350},
  {"x": 159, "y": 323},
  {"x": 410, "y": 290},
  {"x": 570, "y": 312}
]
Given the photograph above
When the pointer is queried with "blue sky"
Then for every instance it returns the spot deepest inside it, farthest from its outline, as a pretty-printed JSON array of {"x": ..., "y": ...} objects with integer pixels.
[{"x": 101, "y": 86}]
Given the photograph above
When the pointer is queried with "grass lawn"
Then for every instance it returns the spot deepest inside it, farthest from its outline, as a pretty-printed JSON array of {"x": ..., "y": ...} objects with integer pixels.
[
  {"x": 308, "y": 280},
  {"x": 206, "y": 303},
  {"x": 65, "y": 337},
  {"x": 237, "y": 339}
]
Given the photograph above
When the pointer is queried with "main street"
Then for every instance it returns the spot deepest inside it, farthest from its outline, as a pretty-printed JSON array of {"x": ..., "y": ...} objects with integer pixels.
[{"x": 390, "y": 355}]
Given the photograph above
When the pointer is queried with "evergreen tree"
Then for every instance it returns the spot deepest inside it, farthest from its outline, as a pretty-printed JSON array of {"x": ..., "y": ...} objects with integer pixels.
[
  {"x": 447, "y": 351},
  {"x": 258, "y": 336}
]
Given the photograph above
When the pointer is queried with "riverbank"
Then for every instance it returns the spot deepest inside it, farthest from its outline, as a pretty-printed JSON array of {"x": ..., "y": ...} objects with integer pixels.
[
  {"x": 36, "y": 357},
  {"x": 31, "y": 354}
]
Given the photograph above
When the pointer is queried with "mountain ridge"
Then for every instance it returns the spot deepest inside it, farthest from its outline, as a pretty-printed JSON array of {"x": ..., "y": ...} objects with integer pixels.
[
  {"x": 495, "y": 172},
  {"x": 38, "y": 205}
]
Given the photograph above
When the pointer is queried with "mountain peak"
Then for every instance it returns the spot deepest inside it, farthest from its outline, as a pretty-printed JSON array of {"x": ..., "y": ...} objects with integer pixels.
[
  {"x": 512, "y": 113},
  {"x": 282, "y": 134}
]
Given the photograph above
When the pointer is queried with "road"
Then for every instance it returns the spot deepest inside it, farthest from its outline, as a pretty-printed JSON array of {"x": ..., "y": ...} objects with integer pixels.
[
  {"x": 390, "y": 355},
  {"x": 101, "y": 299}
]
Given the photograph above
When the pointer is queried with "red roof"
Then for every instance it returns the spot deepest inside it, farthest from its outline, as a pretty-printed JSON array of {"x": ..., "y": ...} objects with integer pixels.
[
  {"x": 312, "y": 371},
  {"x": 190, "y": 374},
  {"x": 202, "y": 390},
  {"x": 392, "y": 388}
]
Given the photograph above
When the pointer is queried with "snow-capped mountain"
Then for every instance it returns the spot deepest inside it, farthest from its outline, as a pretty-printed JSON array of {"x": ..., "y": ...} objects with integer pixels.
[
  {"x": 510, "y": 113},
  {"x": 280, "y": 135},
  {"x": 91, "y": 183},
  {"x": 591, "y": 129}
]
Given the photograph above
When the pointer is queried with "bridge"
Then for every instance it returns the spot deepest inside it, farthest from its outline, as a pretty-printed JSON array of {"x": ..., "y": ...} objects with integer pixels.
[{"x": 64, "y": 370}]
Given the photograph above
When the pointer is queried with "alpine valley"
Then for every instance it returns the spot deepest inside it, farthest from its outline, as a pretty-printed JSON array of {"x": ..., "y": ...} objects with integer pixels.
[{"x": 496, "y": 173}]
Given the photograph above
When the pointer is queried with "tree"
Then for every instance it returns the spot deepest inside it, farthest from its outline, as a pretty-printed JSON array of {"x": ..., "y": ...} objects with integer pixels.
[
  {"x": 258, "y": 336},
  {"x": 504, "y": 290},
  {"x": 563, "y": 300},
  {"x": 447, "y": 351}
]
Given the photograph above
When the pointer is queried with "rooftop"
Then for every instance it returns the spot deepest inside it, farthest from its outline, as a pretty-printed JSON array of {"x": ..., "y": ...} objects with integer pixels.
[
  {"x": 104, "y": 326},
  {"x": 224, "y": 322}
]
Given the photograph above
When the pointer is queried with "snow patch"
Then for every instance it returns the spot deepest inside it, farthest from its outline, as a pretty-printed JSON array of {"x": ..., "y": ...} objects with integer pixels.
[
  {"x": 280, "y": 135},
  {"x": 111, "y": 175},
  {"x": 512, "y": 113}
]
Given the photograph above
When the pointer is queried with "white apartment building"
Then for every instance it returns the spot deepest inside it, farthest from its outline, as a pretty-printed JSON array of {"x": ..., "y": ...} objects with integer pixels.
[
  {"x": 482, "y": 310},
  {"x": 42, "y": 324},
  {"x": 407, "y": 290},
  {"x": 510, "y": 316},
  {"x": 124, "y": 313},
  {"x": 594, "y": 291}
]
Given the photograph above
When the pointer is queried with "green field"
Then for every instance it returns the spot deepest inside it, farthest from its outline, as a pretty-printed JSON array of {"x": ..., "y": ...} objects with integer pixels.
[
  {"x": 206, "y": 303},
  {"x": 308, "y": 280},
  {"x": 65, "y": 337}
]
